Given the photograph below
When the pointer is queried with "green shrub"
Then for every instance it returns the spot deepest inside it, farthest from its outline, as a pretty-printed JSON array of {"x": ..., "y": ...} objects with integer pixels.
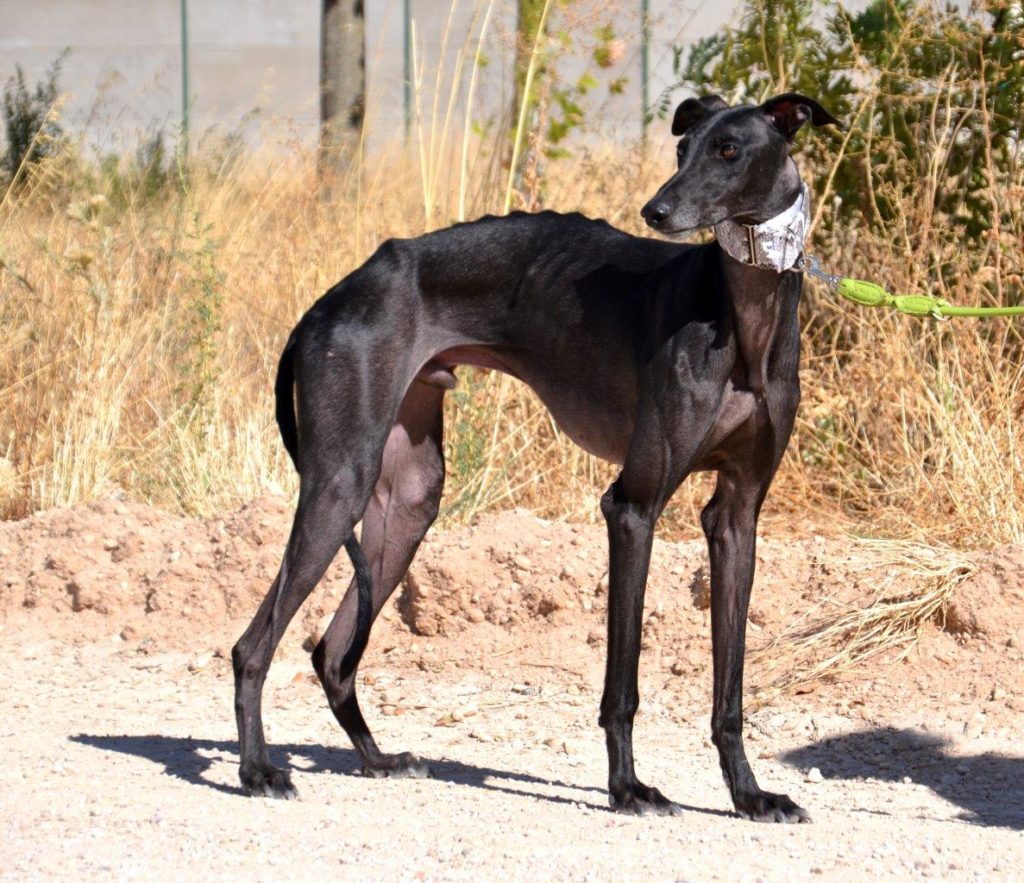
[{"x": 31, "y": 130}]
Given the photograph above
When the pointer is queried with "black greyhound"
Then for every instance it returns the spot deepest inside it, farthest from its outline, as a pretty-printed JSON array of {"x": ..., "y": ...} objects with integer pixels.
[{"x": 665, "y": 358}]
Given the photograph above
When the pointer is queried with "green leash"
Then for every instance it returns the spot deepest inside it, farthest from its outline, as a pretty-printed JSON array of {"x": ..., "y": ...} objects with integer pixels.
[{"x": 868, "y": 294}]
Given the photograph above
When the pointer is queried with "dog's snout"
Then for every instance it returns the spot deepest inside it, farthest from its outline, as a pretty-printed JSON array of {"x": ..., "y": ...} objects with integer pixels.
[{"x": 656, "y": 211}]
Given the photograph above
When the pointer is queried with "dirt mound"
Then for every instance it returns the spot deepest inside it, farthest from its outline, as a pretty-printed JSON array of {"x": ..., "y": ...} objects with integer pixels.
[
  {"x": 161, "y": 581},
  {"x": 113, "y": 565}
]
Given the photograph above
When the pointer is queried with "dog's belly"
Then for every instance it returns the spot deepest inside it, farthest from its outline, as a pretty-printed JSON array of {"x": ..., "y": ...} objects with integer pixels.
[
  {"x": 602, "y": 431},
  {"x": 596, "y": 416}
]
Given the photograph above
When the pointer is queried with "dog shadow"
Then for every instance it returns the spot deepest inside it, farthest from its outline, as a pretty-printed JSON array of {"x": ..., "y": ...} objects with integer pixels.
[
  {"x": 190, "y": 759},
  {"x": 989, "y": 788}
]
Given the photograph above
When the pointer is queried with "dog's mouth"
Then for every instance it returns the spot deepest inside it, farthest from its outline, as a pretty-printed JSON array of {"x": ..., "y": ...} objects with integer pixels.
[
  {"x": 681, "y": 230},
  {"x": 677, "y": 233}
]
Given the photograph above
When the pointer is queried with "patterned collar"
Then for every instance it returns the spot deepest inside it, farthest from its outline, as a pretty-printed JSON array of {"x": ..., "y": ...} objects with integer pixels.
[{"x": 776, "y": 244}]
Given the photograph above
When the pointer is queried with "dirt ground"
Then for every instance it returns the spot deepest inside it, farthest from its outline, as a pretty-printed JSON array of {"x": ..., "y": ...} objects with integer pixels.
[{"x": 118, "y": 743}]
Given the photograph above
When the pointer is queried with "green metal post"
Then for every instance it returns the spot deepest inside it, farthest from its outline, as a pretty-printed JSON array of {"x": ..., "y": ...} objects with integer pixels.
[{"x": 184, "y": 78}]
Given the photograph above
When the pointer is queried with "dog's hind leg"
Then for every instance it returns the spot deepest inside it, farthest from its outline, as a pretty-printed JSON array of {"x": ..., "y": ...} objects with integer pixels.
[
  {"x": 403, "y": 506},
  {"x": 333, "y": 494}
]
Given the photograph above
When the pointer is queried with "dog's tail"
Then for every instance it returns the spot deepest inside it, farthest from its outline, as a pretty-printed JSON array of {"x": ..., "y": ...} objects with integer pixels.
[
  {"x": 364, "y": 609},
  {"x": 285, "y": 400}
]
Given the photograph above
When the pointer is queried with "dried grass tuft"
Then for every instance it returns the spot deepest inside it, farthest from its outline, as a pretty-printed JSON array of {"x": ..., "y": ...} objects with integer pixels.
[{"x": 913, "y": 587}]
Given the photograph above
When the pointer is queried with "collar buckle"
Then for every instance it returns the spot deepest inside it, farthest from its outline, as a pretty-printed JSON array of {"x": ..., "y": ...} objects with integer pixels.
[{"x": 776, "y": 244}]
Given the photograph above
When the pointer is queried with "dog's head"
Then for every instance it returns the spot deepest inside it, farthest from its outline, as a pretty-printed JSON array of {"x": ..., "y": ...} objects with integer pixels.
[{"x": 733, "y": 163}]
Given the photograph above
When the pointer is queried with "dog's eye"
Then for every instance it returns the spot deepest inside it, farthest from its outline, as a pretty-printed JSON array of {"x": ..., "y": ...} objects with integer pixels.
[
  {"x": 681, "y": 149},
  {"x": 728, "y": 151}
]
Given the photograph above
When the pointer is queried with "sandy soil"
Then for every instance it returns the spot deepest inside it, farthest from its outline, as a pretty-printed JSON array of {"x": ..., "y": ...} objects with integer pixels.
[{"x": 117, "y": 733}]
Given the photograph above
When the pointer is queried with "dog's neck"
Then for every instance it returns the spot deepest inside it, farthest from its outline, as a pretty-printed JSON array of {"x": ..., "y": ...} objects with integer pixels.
[
  {"x": 758, "y": 263},
  {"x": 776, "y": 244}
]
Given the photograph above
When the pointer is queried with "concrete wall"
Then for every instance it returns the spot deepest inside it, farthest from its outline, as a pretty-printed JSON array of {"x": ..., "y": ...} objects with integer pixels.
[{"x": 124, "y": 77}]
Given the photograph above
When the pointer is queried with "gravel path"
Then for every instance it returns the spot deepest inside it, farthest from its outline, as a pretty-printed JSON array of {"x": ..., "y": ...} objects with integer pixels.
[{"x": 116, "y": 766}]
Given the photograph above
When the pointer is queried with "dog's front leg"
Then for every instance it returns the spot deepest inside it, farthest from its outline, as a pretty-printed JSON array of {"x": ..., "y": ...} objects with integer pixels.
[
  {"x": 630, "y": 533},
  {"x": 730, "y": 524}
]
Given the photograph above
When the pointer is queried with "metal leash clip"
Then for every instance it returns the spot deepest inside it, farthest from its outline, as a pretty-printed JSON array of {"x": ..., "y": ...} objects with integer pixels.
[{"x": 813, "y": 268}]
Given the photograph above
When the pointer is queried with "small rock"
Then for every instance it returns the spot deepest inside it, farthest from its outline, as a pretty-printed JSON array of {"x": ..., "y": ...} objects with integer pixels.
[
  {"x": 317, "y": 632},
  {"x": 129, "y": 633},
  {"x": 200, "y": 662},
  {"x": 1012, "y": 642},
  {"x": 814, "y": 775},
  {"x": 523, "y": 563},
  {"x": 678, "y": 668},
  {"x": 997, "y": 694},
  {"x": 92, "y": 590},
  {"x": 906, "y": 780},
  {"x": 548, "y": 604},
  {"x": 110, "y": 543}
]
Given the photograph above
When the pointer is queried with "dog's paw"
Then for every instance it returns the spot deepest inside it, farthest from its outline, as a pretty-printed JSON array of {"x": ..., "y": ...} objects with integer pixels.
[
  {"x": 397, "y": 766},
  {"x": 641, "y": 800},
  {"x": 268, "y": 781},
  {"x": 762, "y": 806}
]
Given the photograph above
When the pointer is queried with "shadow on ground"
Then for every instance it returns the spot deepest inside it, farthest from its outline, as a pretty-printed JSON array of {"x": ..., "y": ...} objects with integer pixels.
[
  {"x": 189, "y": 760},
  {"x": 988, "y": 787}
]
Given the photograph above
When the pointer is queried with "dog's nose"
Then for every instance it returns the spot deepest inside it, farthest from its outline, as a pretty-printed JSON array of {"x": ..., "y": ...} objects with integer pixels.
[{"x": 656, "y": 212}]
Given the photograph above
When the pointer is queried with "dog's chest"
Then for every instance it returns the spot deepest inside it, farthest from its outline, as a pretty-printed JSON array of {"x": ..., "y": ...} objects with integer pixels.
[{"x": 743, "y": 413}]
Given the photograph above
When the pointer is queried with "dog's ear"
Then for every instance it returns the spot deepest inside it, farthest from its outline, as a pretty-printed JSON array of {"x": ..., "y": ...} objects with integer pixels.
[
  {"x": 790, "y": 111},
  {"x": 693, "y": 110}
]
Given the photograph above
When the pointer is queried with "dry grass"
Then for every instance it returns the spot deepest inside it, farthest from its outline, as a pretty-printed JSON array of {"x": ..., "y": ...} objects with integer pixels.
[
  {"x": 911, "y": 587},
  {"x": 141, "y": 336}
]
